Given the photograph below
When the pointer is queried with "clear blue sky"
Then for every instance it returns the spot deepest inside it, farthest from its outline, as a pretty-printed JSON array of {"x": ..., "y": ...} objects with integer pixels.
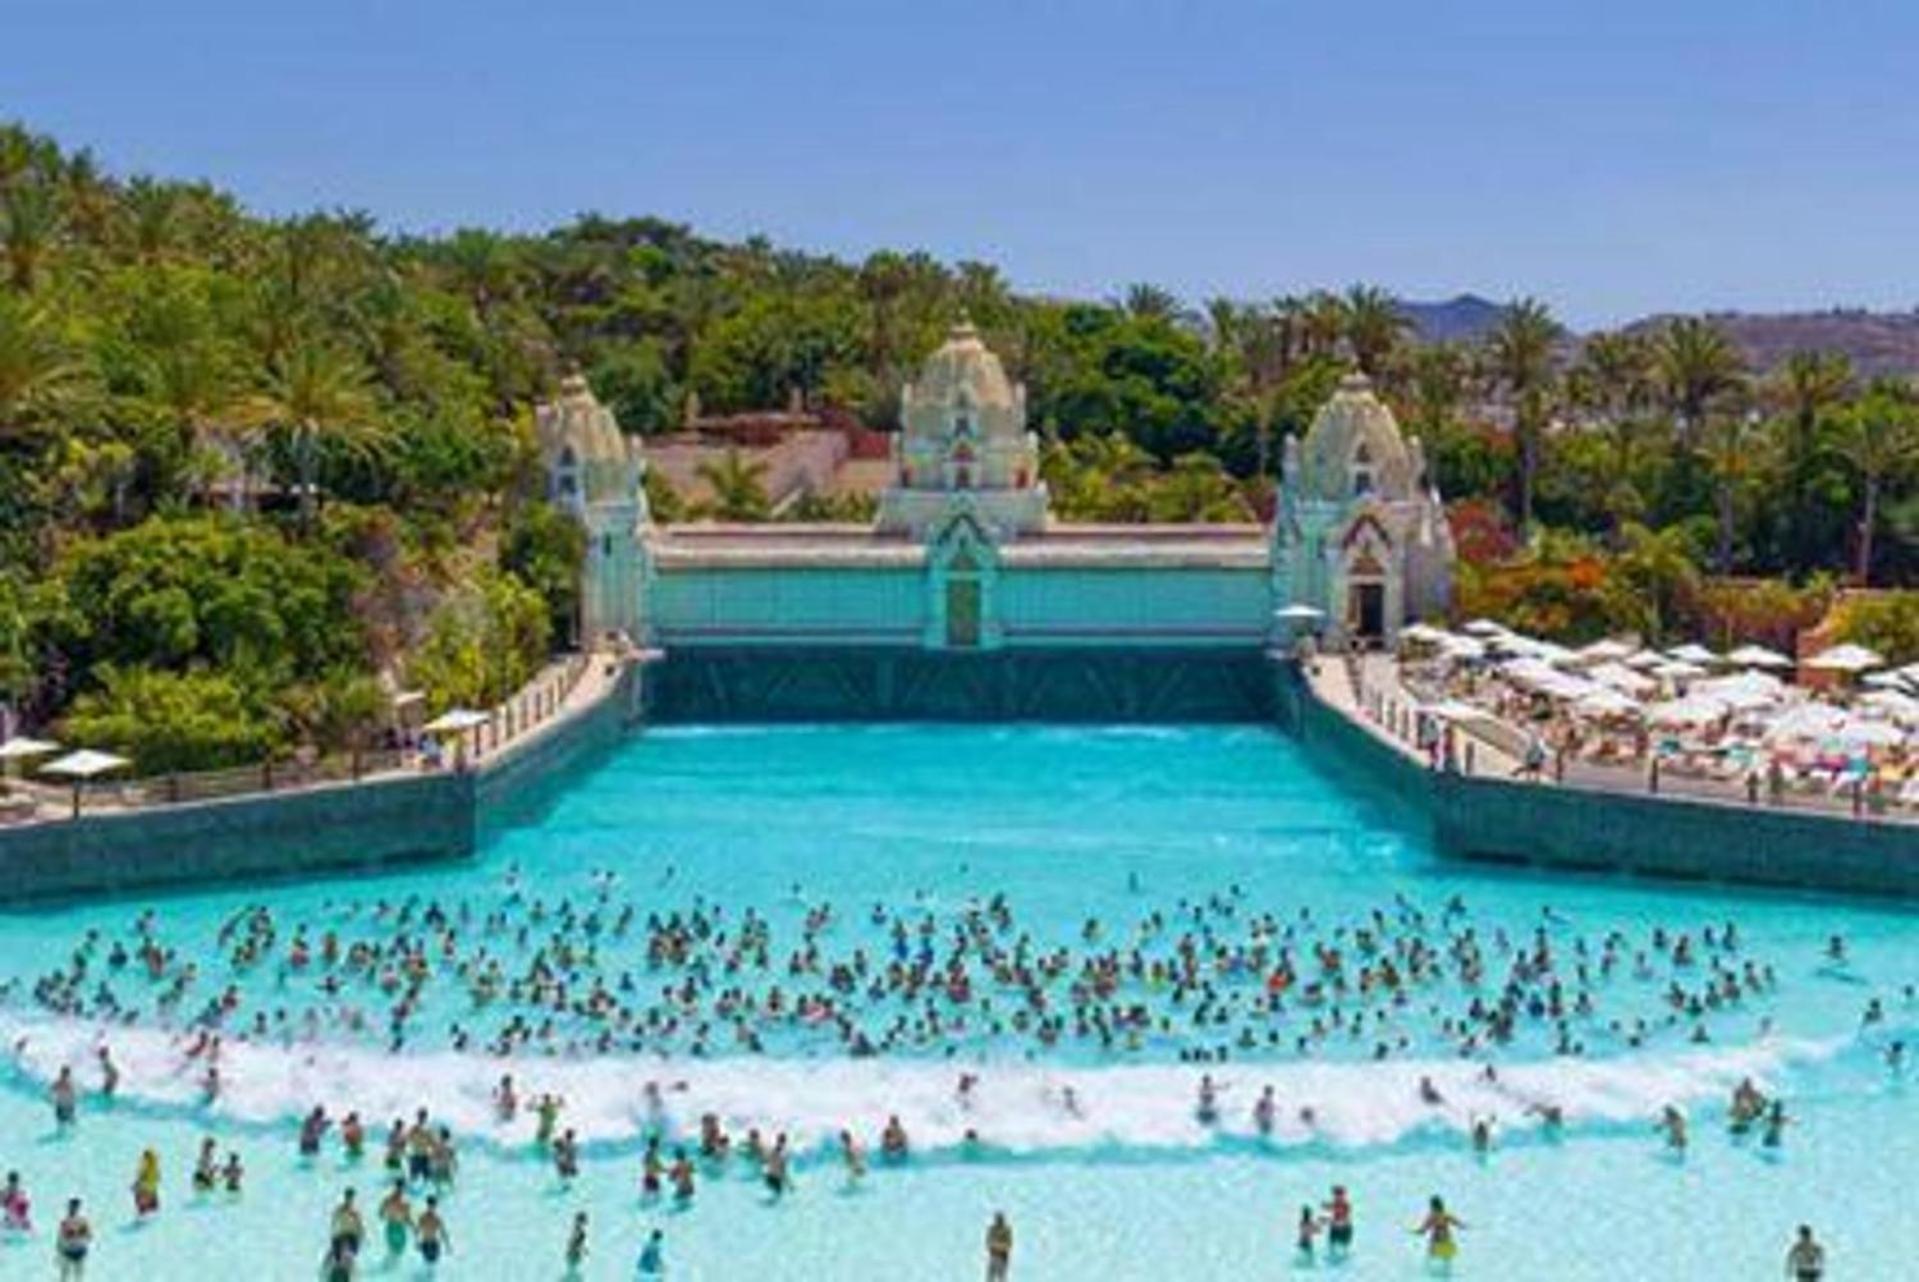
[{"x": 1613, "y": 157}]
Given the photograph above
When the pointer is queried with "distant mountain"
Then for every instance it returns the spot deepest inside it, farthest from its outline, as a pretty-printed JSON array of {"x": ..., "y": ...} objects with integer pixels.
[
  {"x": 1876, "y": 342},
  {"x": 1465, "y": 319}
]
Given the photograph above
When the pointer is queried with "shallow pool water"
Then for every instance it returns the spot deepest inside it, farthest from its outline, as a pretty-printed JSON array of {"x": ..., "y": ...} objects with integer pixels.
[{"x": 1225, "y": 852}]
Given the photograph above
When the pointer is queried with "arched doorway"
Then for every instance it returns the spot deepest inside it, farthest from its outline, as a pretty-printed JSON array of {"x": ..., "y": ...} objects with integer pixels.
[{"x": 962, "y": 567}]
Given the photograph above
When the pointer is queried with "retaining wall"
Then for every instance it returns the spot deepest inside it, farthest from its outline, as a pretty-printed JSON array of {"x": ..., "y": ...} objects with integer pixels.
[
  {"x": 1505, "y": 821},
  {"x": 371, "y": 824}
]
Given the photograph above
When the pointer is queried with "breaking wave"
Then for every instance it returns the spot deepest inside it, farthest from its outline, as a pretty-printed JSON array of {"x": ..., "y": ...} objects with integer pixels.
[{"x": 1014, "y": 1108}]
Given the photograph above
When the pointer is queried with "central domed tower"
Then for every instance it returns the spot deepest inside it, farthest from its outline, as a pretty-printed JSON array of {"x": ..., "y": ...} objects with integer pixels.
[{"x": 963, "y": 447}]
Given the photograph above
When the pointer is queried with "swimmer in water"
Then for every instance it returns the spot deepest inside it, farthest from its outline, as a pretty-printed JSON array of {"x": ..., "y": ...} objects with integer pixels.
[
  {"x": 652, "y": 1262},
  {"x": 1673, "y": 1123},
  {"x": 999, "y": 1248},
  {"x": 576, "y": 1245},
  {"x": 396, "y": 1219},
  {"x": 1339, "y": 1223},
  {"x": 1440, "y": 1229},
  {"x": 1306, "y": 1235},
  {"x": 72, "y": 1242},
  {"x": 1805, "y": 1259},
  {"x": 430, "y": 1233}
]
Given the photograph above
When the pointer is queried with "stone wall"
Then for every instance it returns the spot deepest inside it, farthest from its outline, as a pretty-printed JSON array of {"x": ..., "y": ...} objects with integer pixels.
[
  {"x": 515, "y": 784},
  {"x": 1546, "y": 825},
  {"x": 348, "y": 826}
]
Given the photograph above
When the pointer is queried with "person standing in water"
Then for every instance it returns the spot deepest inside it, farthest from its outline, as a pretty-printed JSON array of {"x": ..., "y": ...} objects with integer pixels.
[
  {"x": 396, "y": 1219},
  {"x": 999, "y": 1248},
  {"x": 1806, "y": 1259},
  {"x": 653, "y": 1256},
  {"x": 65, "y": 1104},
  {"x": 72, "y": 1242},
  {"x": 1339, "y": 1223},
  {"x": 576, "y": 1246},
  {"x": 430, "y": 1233},
  {"x": 1439, "y": 1228},
  {"x": 146, "y": 1185}
]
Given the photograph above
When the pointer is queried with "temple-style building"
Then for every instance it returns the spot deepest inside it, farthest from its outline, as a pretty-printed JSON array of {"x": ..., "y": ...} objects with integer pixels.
[
  {"x": 593, "y": 470},
  {"x": 1360, "y": 532},
  {"x": 963, "y": 445},
  {"x": 965, "y": 598}
]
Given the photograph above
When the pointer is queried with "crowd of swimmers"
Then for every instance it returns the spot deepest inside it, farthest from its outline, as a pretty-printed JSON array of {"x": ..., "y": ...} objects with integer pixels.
[{"x": 1208, "y": 981}]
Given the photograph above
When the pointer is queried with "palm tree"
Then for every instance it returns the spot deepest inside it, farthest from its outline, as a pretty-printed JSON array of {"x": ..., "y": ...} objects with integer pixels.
[
  {"x": 29, "y": 226},
  {"x": 320, "y": 394},
  {"x": 738, "y": 485},
  {"x": 1807, "y": 387},
  {"x": 1144, "y": 301},
  {"x": 37, "y": 367},
  {"x": 1730, "y": 439},
  {"x": 1880, "y": 438},
  {"x": 1698, "y": 366},
  {"x": 1374, "y": 325},
  {"x": 1521, "y": 357}
]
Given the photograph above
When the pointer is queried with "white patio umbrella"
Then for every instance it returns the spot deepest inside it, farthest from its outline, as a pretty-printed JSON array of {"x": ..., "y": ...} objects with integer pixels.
[
  {"x": 1419, "y": 633},
  {"x": 1845, "y": 658},
  {"x": 21, "y": 748},
  {"x": 81, "y": 766},
  {"x": 1603, "y": 651},
  {"x": 1693, "y": 711},
  {"x": 1896, "y": 704},
  {"x": 1678, "y": 670},
  {"x": 1622, "y": 678},
  {"x": 456, "y": 721},
  {"x": 1758, "y": 656},
  {"x": 1484, "y": 628},
  {"x": 1606, "y": 702},
  {"x": 1693, "y": 652}
]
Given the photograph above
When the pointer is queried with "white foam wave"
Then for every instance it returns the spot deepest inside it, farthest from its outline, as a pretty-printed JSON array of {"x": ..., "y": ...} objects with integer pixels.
[{"x": 1015, "y": 1108}]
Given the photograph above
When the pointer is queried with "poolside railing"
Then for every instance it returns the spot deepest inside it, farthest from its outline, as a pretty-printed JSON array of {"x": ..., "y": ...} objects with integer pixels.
[{"x": 527, "y": 710}]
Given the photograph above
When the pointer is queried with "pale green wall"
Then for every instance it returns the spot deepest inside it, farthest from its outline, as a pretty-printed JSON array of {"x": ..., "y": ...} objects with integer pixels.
[{"x": 1131, "y": 606}]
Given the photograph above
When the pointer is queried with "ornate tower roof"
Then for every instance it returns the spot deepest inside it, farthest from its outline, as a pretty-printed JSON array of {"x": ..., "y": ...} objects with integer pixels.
[
  {"x": 1354, "y": 446},
  {"x": 963, "y": 365},
  {"x": 585, "y": 453}
]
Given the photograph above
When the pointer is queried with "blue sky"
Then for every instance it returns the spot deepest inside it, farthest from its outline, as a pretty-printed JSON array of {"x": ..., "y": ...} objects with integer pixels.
[{"x": 1613, "y": 158}]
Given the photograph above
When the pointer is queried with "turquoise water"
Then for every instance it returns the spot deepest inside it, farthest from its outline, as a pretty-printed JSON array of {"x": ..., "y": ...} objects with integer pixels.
[{"x": 1228, "y": 835}]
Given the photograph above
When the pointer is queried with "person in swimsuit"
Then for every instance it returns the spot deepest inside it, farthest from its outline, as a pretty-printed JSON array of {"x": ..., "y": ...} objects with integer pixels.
[
  {"x": 146, "y": 1185},
  {"x": 339, "y": 1264},
  {"x": 1439, "y": 1229},
  {"x": 999, "y": 1248},
  {"x": 74, "y": 1239},
  {"x": 64, "y": 1104},
  {"x": 653, "y": 1256},
  {"x": 1339, "y": 1223},
  {"x": 1806, "y": 1259},
  {"x": 348, "y": 1229},
  {"x": 1305, "y": 1243},
  {"x": 431, "y": 1234},
  {"x": 15, "y": 1206},
  {"x": 396, "y": 1219},
  {"x": 576, "y": 1245}
]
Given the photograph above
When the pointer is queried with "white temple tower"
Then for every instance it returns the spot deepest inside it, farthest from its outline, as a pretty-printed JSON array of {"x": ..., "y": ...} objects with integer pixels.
[
  {"x": 593, "y": 471},
  {"x": 963, "y": 446},
  {"x": 1360, "y": 532}
]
